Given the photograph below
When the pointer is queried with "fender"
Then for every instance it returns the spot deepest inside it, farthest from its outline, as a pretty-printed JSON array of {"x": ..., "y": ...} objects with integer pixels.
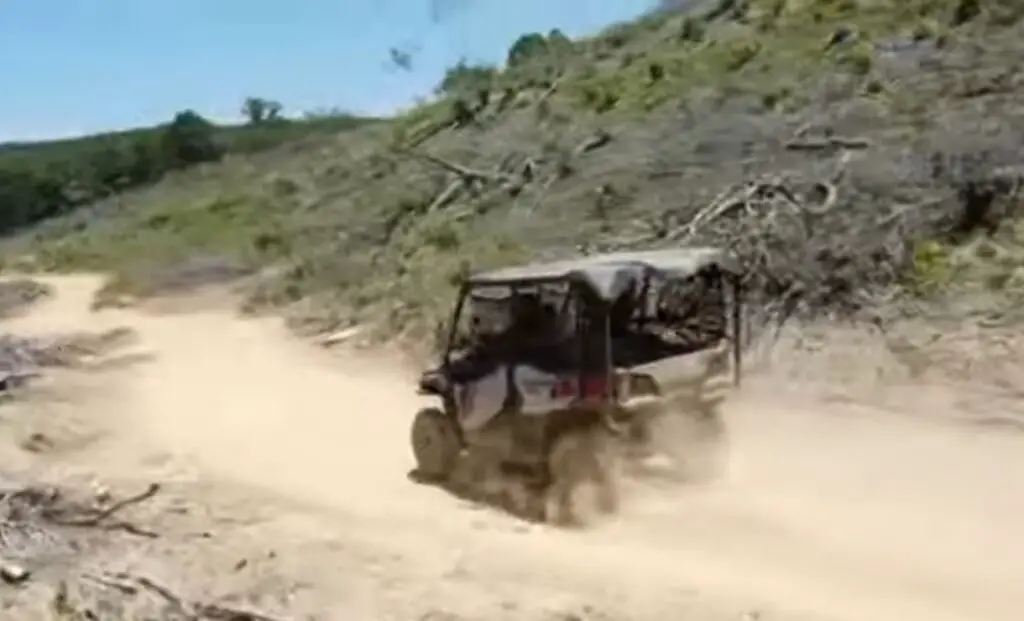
[{"x": 433, "y": 383}]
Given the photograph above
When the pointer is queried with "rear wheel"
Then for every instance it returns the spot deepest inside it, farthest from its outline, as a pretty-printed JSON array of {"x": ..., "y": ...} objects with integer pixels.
[
  {"x": 435, "y": 444},
  {"x": 705, "y": 452},
  {"x": 582, "y": 457},
  {"x": 687, "y": 443}
]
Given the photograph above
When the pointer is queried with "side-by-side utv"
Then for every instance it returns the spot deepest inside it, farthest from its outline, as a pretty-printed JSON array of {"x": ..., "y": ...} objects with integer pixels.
[{"x": 616, "y": 341}]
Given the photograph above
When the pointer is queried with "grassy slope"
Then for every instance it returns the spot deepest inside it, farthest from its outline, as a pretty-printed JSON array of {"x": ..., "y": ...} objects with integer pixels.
[
  {"x": 234, "y": 137},
  {"x": 691, "y": 103}
]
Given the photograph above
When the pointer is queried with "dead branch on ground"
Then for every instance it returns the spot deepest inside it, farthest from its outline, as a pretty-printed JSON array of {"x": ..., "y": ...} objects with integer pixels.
[
  {"x": 95, "y": 517},
  {"x": 467, "y": 174},
  {"x": 806, "y": 248},
  {"x": 44, "y": 505},
  {"x": 596, "y": 141},
  {"x": 132, "y": 585},
  {"x": 828, "y": 143}
]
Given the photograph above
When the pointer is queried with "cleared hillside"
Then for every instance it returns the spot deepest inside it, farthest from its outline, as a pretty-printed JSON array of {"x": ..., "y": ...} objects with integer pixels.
[
  {"x": 859, "y": 153},
  {"x": 43, "y": 180}
]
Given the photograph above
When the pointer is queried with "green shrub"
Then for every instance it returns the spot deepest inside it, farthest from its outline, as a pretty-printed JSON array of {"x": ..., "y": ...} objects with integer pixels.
[
  {"x": 859, "y": 59},
  {"x": 932, "y": 267}
]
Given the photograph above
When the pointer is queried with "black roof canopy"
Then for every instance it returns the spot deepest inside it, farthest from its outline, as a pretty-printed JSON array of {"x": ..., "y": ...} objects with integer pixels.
[{"x": 608, "y": 275}]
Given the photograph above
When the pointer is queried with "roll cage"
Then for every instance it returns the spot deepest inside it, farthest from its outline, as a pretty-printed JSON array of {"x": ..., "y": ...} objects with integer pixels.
[{"x": 595, "y": 287}]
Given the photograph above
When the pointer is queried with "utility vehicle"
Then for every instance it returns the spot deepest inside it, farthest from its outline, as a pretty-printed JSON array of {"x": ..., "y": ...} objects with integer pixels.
[{"x": 539, "y": 356}]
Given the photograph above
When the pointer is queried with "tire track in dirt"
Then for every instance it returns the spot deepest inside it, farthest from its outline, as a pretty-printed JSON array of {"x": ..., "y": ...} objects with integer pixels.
[{"x": 830, "y": 513}]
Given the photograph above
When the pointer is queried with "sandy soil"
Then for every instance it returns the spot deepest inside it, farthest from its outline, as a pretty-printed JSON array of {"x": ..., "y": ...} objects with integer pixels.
[{"x": 827, "y": 512}]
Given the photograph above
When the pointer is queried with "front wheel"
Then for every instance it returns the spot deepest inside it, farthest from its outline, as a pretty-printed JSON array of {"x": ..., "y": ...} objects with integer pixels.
[{"x": 435, "y": 444}]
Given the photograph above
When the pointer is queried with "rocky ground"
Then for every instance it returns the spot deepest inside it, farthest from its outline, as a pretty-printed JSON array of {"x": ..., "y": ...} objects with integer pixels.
[{"x": 140, "y": 489}]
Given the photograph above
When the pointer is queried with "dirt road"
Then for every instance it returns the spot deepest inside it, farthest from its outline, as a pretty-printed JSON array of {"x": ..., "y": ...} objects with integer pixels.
[{"x": 827, "y": 512}]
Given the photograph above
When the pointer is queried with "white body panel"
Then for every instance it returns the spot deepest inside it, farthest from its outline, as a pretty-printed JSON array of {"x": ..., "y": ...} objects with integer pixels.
[{"x": 482, "y": 400}]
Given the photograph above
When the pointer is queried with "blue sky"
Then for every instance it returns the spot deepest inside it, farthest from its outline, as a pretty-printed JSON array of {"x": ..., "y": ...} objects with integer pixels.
[{"x": 71, "y": 67}]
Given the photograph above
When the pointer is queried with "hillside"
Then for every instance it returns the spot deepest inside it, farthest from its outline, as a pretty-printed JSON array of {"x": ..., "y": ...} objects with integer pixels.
[
  {"x": 42, "y": 180},
  {"x": 863, "y": 158},
  {"x": 877, "y": 140}
]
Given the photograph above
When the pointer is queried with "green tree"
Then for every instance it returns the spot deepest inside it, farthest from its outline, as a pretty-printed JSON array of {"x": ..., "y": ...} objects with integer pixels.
[
  {"x": 464, "y": 79},
  {"x": 146, "y": 164},
  {"x": 259, "y": 110},
  {"x": 27, "y": 195},
  {"x": 109, "y": 164},
  {"x": 558, "y": 43},
  {"x": 536, "y": 49},
  {"x": 189, "y": 139},
  {"x": 526, "y": 48}
]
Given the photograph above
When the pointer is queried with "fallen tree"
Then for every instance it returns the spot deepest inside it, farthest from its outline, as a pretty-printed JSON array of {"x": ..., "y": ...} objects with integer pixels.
[{"x": 814, "y": 248}]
